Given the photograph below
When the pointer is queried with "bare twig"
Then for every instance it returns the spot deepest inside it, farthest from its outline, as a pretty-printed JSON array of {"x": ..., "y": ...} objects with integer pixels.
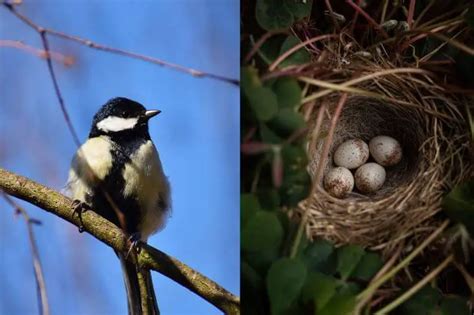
[
  {"x": 297, "y": 47},
  {"x": 319, "y": 171},
  {"x": 411, "y": 13},
  {"x": 368, "y": 18},
  {"x": 91, "y": 44},
  {"x": 105, "y": 231},
  {"x": 420, "y": 284},
  {"x": 66, "y": 60},
  {"x": 389, "y": 274},
  {"x": 43, "y": 304},
  {"x": 44, "y": 40},
  {"x": 259, "y": 44}
]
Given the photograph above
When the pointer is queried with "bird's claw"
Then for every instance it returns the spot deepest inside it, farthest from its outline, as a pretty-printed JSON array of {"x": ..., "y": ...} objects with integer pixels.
[
  {"x": 135, "y": 243},
  {"x": 79, "y": 208}
]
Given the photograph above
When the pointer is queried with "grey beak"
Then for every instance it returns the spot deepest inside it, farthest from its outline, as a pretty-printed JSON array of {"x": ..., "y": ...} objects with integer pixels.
[{"x": 151, "y": 113}]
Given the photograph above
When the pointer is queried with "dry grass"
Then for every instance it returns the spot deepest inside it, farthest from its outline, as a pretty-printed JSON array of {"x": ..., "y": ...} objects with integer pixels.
[{"x": 401, "y": 101}]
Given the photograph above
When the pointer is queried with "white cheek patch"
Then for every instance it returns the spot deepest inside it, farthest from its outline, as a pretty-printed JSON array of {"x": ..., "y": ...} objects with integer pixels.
[{"x": 115, "y": 124}]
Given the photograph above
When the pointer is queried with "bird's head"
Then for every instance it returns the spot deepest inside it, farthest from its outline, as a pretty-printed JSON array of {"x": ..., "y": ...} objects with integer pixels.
[{"x": 122, "y": 117}]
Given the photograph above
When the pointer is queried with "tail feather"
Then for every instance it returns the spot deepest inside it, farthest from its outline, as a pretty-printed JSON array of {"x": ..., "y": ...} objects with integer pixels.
[{"x": 132, "y": 286}]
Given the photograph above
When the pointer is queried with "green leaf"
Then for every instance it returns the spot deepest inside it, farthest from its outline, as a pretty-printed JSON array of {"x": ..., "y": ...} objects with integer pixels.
[
  {"x": 269, "y": 198},
  {"x": 261, "y": 260},
  {"x": 263, "y": 102},
  {"x": 299, "y": 8},
  {"x": 299, "y": 57},
  {"x": 368, "y": 266},
  {"x": 348, "y": 257},
  {"x": 319, "y": 288},
  {"x": 270, "y": 50},
  {"x": 287, "y": 120},
  {"x": 424, "y": 301},
  {"x": 349, "y": 288},
  {"x": 262, "y": 232},
  {"x": 268, "y": 135},
  {"x": 250, "y": 79},
  {"x": 273, "y": 15},
  {"x": 252, "y": 290},
  {"x": 249, "y": 205},
  {"x": 285, "y": 280},
  {"x": 318, "y": 256},
  {"x": 340, "y": 304},
  {"x": 288, "y": 92},
  {"x": 459, "y": 205},
  {"x": 454, "y": 305}
]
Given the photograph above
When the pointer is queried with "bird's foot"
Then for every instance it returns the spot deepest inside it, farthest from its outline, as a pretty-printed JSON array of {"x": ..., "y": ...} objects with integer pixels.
[
  {"x": 135, "y": 243},
  {"x": 79, "y": 208}
]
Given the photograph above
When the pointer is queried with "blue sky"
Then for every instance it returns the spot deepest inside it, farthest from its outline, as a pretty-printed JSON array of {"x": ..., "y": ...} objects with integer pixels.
[{"x": 197, "y": 135}]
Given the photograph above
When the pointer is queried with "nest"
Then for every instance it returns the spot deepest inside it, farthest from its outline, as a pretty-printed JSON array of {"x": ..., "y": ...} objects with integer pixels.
[{"x": 427, "y": 122}]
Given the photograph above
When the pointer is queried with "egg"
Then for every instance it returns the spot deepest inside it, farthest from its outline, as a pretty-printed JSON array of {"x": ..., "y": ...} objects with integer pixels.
[
  {"x": 369, "y": 177},
  {"x": 351, "y": 154},
  {"x": 338, "y": 182},
  {"x": 385, "y": 150}
]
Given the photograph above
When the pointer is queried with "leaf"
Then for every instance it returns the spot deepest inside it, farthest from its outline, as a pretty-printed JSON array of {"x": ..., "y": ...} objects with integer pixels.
[
  {"x": 299, "y": 8},
  {"x": 261, "y": 260},
  {"x": 340, "y": 304},
  {"x": 368, "y": 266},
  {"x": 250, "y": 79},
  {"x": 318, "y": 256},
  {"x": 285, "y": 280},
  {"x": 288, "y": 92},
  {"x": 348, "y": 257},
  {"x": 263, "y": 102},
  {"x": 287, "y": 120},
  {"x": 249, "y": 205},
  {"x": 262, "y": 232},
  {"x": 319, "y": 288},
  {"x": 252, "y": 290},
  {"x": 454, "y": 305},
  {"x": 270, "y": 50},
  {"x": 269, "y": 198},
  {"x": 424, "y": 301},
  {"x": 268, "y": 135},
  {"x": 273, "y": 15},
  {"x": 301, "y": 56},
  {"x": 459, "y": 205}
]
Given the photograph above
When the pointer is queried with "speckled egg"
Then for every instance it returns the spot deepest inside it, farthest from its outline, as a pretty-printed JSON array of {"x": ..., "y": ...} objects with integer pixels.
[
  {"x": 369, "y": 177},
  {"x": 351, "y": 154},
  {"x": 385, "y": 150},
  {"x": 338, "y": 182}
]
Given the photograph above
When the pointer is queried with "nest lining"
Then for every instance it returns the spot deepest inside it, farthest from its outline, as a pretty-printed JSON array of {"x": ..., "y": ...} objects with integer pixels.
[{"x": 435, "y": 145}]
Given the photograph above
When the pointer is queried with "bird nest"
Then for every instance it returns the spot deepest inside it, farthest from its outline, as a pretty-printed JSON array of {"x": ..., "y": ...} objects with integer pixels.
[{"x": 427, "y": 122}]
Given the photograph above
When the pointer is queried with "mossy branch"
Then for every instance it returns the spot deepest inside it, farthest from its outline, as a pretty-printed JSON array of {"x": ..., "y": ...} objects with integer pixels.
[{"x": 105, "y": 231}]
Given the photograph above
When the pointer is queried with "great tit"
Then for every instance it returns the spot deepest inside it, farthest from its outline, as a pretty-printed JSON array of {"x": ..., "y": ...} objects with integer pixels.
[{"x": 117, "y": 172}]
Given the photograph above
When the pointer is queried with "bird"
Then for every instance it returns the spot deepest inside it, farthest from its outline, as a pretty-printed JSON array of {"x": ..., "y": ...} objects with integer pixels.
[{"x": 117, "y": 173}]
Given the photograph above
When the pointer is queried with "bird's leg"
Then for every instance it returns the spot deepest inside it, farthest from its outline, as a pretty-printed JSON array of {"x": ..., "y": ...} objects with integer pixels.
[
  {"x": 135, "y": 240},
  {"x": 79, "y": 208}
]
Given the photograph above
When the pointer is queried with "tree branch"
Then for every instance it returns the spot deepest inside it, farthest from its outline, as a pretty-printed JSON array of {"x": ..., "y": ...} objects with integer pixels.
[
  {"x": 105, "y": 231},
  {"x": 38, "y": 270},
  {"x": 91, "y": 44}
]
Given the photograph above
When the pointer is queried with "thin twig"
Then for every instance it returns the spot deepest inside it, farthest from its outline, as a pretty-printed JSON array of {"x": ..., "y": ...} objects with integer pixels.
[
  {"x": 377, "y": 283},
  {"x": 368, "y": 18},
  {"x": 420, "y": 284},
  {"x": 297, "y": 47},
  {"x": 43, "y": 304},
  {"x": 91, "y": 44},
  {"x": 411, "y": 13},
  {"x": 259, "y": 43},
  {"x": 67, "y": 118},
  {"x": 66, "y": 60},
  {"x": 318, "y": 175}
]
